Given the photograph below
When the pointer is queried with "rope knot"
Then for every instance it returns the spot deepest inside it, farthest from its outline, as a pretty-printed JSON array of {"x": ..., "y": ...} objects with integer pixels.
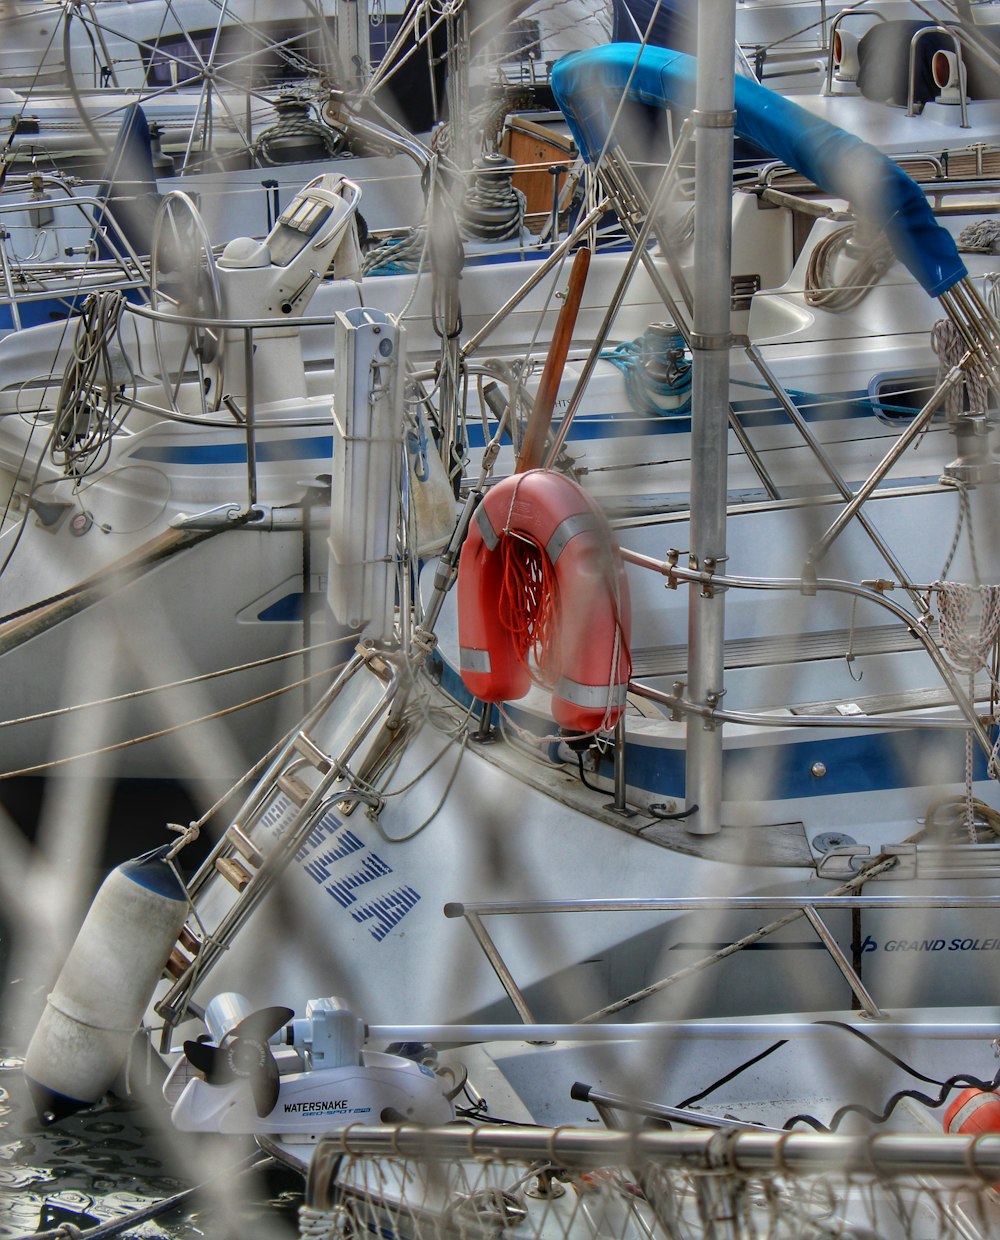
[{"x": 187, "y": 835}]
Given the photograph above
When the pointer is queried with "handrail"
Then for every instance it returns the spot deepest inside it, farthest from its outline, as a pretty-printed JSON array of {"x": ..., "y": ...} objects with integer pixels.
[
  {"x": 64, "y": 290},
  {"x": 670, "y": 569},
  {"x": 11, "y": 297},
  {"x": 791, "y": 906},
  {"x": 889, "y": 1154},
  {"x": 778, "y": 169},
  {"x": 482, "y": 1179},
  {"x": 100, "y": 216}
]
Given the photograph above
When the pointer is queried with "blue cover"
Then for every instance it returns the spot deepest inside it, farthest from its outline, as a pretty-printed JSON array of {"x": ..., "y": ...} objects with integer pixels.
[
  {"x": 154, "y": 872},
  {"x": 588, "y": 86},
  {"x": 128, "y": 186}
]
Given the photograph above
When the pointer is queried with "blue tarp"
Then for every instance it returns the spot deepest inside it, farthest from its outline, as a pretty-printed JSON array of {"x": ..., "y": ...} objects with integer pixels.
[{"x": 588, "y": 86}]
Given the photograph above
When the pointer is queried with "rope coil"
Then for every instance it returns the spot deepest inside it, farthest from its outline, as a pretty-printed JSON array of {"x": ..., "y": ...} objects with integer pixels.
[
  {"x": 874, "y": 258},
  {"x": 657, "y": 375},
  {"x": 970, "y": 628},
  {"x": 970, "y": 622},
  {"x": 85, "y": 418},
  {"x": 947, "y": 343},
  {"x": 295, "y": 136},
  {"x": 494, "y": 208},
  {"x": 980, "y": 237}
]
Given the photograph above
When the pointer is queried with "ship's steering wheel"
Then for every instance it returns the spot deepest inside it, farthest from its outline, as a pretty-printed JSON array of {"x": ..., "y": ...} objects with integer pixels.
[{"x": 184, "y": 283}]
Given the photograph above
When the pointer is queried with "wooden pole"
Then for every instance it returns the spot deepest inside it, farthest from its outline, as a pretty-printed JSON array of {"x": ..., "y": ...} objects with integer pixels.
[{"x": 533, "y": 447}]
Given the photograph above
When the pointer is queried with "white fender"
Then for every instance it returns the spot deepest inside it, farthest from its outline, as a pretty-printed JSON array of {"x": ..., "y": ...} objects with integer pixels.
[{"x": 82, "y": 1039}]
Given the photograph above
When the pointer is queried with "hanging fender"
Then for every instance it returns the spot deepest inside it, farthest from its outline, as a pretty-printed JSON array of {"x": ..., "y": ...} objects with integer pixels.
[
  {"x": 575, "y": 617},
  {"x": 83, "y": 1036}
]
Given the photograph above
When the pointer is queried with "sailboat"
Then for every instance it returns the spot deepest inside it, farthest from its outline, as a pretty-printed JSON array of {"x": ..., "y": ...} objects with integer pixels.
[
  {"x": 411, "y": 783},
  {"x": 386, "y": 762},
  {"x": 769, "y": 792}
]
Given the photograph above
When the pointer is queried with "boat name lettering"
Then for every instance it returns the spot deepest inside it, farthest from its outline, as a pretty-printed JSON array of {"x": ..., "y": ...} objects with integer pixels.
[
  {"x": 330, "y": 843},
  {"x": 319, "y": 867},
  {"x": 343, "y": 889},
  {"x": 387, "y": 912},
  {"x": 277, "y": 818},
  {"x": 326, "y": 829},
  {"x": 932, "y": 945}
]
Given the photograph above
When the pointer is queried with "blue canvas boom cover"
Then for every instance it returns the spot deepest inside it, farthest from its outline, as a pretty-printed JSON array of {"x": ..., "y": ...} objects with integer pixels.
[{"x": 589, "y": 85}]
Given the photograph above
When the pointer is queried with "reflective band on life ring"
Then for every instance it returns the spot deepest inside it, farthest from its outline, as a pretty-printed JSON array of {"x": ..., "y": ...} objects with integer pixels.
[{"x": 589, "y": 666}]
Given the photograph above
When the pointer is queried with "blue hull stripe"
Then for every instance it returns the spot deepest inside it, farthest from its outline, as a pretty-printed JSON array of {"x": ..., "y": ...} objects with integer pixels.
[
  {"x": 843, "y": 406},
  {"x": 857, "y": 762},
  {"x": 318, "y": 448}
]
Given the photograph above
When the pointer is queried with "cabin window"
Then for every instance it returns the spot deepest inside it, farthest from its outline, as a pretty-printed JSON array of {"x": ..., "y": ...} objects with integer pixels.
[
  {"x": 381, "y": 35},
  {"x": 272, "y": 52},
  {"x": 897, "y": 396}
]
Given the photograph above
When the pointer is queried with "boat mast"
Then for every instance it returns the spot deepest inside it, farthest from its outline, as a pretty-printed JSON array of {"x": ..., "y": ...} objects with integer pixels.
[
  {"x": 353, "y": 42},
  {"x": 710, "y": 341}
]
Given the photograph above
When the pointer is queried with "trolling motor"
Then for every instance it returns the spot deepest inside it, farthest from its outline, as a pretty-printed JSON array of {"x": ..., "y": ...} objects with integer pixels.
[{"x": 265, "y": 1072}]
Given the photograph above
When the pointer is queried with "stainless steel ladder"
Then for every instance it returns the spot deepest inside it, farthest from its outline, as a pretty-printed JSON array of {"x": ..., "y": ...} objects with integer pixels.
[{"x": 302, "y": 785}]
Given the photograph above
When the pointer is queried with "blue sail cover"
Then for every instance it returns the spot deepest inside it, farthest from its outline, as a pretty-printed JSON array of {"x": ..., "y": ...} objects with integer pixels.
[
  {"x": 128, "y": 187},
  {"x": 589, "y": 85}
]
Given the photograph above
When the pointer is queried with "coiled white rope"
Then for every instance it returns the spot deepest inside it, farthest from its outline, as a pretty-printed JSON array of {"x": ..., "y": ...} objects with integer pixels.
[
  {"x": 980, "y": 237},
  {"x": 946, "y": 341},
  {"x": 874, "y": 259},
  {"x": 316, "y": 1224},
  {"x": 970, "y": 619},
  {"x": 85, "y": 416}
]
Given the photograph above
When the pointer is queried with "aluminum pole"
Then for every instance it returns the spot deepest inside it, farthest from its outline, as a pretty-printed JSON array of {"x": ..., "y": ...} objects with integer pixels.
[{"x": 710, "y": 342}]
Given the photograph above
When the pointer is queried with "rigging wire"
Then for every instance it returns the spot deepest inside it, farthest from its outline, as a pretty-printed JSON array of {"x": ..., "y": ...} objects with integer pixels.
[{"x": 132, "y": 741}]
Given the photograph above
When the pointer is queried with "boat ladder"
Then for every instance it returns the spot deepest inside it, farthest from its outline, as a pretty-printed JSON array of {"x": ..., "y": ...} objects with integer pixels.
[{"x": 302, "y": 788}]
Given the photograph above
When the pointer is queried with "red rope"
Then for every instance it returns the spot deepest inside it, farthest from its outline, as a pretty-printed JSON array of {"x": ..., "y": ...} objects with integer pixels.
[{"x": 529, "y": 603}]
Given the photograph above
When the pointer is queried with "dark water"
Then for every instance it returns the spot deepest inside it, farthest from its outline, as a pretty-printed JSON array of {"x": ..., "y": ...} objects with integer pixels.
[{"x": 121, "y": 1156}]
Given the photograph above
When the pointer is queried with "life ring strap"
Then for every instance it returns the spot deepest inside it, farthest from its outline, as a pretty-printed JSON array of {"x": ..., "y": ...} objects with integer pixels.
[
  {"x": 591, "y": 697},
  {"x": 491, "y": 537},
  {"x": 470, "y": 660},
  {"x": 577, "y": 523}
]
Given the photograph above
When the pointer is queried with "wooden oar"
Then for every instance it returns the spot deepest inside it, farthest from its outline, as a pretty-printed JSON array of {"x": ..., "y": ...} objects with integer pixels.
[{"x": 533, "y": 447}]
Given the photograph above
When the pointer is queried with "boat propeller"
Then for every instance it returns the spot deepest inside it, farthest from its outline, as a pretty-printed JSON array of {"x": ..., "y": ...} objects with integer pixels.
[
  {"x": 306, "y": 1076},
  {"x": 244, "y": 1054}
]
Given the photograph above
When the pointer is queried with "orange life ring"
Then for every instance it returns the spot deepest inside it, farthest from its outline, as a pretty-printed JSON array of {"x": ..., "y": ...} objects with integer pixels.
[
  {"x": 972, "y": 1112},
  {"x": 540, "y": 573}
]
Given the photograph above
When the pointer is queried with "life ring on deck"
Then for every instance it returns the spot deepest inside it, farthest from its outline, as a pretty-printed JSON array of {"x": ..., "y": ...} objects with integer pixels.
[{"x": 542, "y": 596}]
